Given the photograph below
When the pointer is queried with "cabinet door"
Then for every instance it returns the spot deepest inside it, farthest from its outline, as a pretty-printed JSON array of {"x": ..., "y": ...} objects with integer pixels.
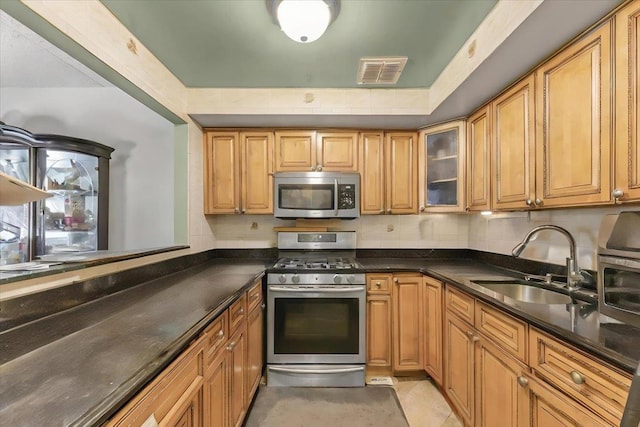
[
  {"x": 514, "y": 156},
  {"x": 254, "y": 352},
  {"x": 295, "y": 151},
  {"x": 216, "y": 392},
  {"x": 237, "y": 382},
  {"x": 459, "y": 369},
  {"x": 478, "y": 164},
  {"x": 372, "y": 170},
  {"x": 500, "y": 400},
  {"x": 402, "y": 178},
  {"x": 627, "y": 117},
  {"x": 433, "y": 328},
  {"x": 337, "y": 151},
  {"x": 188, "y": 411},
  {"x": 407, "y": 323},
  {"x": 441, "y": 168},
  {"x": 257, "y": 172},
  {"x": 573, "y": 117},
  {"x": 550, "y": 408},
  {"x": 221, "y": 173},
  {"x": 379, "y": 330}
]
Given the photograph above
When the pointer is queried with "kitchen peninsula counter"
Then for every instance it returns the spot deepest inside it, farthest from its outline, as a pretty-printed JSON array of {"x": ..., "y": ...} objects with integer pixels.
[{"x": 105, "y": 351}]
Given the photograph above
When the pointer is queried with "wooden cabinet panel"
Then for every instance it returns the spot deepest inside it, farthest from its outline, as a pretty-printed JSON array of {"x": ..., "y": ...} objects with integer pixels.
[
  {"x": 254, "y": 296},
  {"x": 407, "y": 323},
  {"x": 600, "y": 387},
  {"x": 237, "y": 314},
  {"x": 506, "y": 331},
  {"x": 216, "y": 395},
  {"x": 459, "y": 368},
  {"x": 372, "y": 173},
  {"x": 237, "y": 377},
  {"x": 187, "y": 412},
  {"x": 295, "y": 151},
  {"x": 337, "y": 151},
  {"x": 513, "y": 168},
  {"x": 255, "y": 332},
  {"x": 379, "y": 283},
  {"x": 379, "y": 330},
  {"x": 433, "y": 328},
  {"x": 216, "y": 335},
  {"x": 550, "y": 408},
  {"x": 257, "y": 172},
  {"x": 401, "y": 172},
  {"x": 627, "y": 117},
  {"x": 478, "y": 160},
  {"x": 500, "y": 400},
  {"x": 574, "y": 123},
  {"x": 221, "y": 174},
  {"x": 460, "y": 304}
]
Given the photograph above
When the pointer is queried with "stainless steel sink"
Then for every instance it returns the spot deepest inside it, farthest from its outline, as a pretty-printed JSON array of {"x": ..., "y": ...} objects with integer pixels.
[{"x": 526, "y": 293}]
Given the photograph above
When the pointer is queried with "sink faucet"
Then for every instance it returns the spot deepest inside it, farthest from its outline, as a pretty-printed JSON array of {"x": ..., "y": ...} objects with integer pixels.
[{"x": 574, "y": 274}]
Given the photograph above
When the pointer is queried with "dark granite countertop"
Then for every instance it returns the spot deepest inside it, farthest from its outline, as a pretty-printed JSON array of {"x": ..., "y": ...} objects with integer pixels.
[
  {"x": 122, "y": 342},
  {"x": 79, "y": 366},
  {"x": 580, "y": 324}
]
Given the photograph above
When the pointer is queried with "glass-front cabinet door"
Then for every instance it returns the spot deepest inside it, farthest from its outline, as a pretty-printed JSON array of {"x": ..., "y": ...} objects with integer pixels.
[{"x": 441, "y": 167}]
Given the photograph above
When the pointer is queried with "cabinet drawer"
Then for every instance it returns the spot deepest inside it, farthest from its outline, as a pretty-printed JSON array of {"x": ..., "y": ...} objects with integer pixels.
[
  {"x": 216, "y": 335},
  {"x": 600, "y": 387},
  {"x": 237, "y": 313},
  {"x": 379, "y": 283},
  {"x": 254, "y": 296},
  {"x": 164, "y": 396},
  {"x": 504, "y": 330},
  {"x": 460, "y": 304}
]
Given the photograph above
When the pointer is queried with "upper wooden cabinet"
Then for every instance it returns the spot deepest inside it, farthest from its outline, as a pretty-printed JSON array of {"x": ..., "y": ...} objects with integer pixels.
[
  {"x": 307, "y": 151},
  {"x": 573, "y": 116},
  {"x": 388, "y": 172},
  {"x": 441, "y": 168},
  {"x": 513, "y": 144},
  {"x": 478, "y": 160},
  {"x": 238, "y": 172},
  {"x": 627, "y": 117}
]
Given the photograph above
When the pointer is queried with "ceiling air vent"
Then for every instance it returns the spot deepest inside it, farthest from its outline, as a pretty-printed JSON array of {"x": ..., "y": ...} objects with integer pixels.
[{"x": 380, "y": 70}]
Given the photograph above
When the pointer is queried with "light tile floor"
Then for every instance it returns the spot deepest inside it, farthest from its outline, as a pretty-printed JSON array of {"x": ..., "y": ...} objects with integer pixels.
[{"x": 423, "y": 404}]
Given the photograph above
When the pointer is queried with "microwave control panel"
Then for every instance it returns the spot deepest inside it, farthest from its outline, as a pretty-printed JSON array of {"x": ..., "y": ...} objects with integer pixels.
[{"x": 346, "y": 196}]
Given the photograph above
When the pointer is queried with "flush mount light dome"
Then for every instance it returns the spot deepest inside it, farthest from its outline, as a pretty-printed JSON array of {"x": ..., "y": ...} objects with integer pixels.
[{"x": 303, "y": 21}]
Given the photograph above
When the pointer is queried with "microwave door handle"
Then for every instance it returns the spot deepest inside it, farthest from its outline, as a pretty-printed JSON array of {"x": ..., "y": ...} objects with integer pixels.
[{"x": 335, "y": 196}]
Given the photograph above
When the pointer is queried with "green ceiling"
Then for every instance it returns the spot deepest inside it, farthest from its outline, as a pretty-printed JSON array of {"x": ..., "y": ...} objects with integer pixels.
[{"x": 234, "y": 43}]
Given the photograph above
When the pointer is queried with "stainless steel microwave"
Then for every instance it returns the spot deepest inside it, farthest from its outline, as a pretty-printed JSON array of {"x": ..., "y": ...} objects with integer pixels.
[{"x": 316, "y": 195}]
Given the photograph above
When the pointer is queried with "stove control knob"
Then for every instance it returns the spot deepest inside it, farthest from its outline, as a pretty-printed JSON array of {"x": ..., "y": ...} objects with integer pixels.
[
  {"x": 337, "y": 278},
  {"x": 295, "y": 279},
  {"x": 350, "y": 279},
  {"x": 282, "y": 278}
]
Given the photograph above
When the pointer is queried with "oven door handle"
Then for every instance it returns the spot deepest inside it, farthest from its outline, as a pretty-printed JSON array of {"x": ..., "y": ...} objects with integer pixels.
[
  {"x": 316, "y": 371},
  {"x": 335, "y": 195},
  {"x": 317, "y": 290}
]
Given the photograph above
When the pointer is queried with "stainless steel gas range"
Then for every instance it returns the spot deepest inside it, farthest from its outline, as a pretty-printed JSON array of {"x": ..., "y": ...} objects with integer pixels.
[{"x": 316, "y": 299}]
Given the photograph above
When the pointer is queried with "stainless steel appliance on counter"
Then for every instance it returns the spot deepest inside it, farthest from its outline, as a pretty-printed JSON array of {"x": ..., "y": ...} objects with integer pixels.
[
  {"x": 619, "y": 267},
  {"x": 316, "y": 195},
  {"x": 76, "y": 172},
  {"x": 316, "y": 301}
]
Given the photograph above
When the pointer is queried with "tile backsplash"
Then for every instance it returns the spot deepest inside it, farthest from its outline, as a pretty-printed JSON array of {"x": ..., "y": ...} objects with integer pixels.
[{"x": 497, "y": 233}]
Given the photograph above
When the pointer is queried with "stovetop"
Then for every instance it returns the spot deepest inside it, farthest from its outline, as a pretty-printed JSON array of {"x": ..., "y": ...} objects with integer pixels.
[{"x": 316, "y": 263}]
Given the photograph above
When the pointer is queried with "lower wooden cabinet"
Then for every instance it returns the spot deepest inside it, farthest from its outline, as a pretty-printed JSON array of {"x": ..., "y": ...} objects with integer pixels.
[
  {"x": 378, "y": 331},
  {"x": 408, "y": 336},
  {"x": 255, "y": 332},
  {"x": 433, "y": 328},
  {"x": 216, "y": 398},
  {"x": 459, "y": 379},
  {"x": 237, "y": 348}
]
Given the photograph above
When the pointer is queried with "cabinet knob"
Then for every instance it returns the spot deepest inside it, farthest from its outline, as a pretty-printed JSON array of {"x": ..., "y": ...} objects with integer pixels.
[
  {"x": 236, "y": 210},
  {"x": 469, "y": 334},
  {"x": 241, "y": 311},
  {"x": 231, "y": 346},
  {"x": 422, "y": 208},
  {"x": 538, "y": 202},
  {"x": 395, "y": 280},
  {"x": 378, "y": 285},
  {"x": 577, "y": 377},
  {"x": 244, "y": 210},
  {"x": 389, "y": 210},
  {"x": 319, "y": 168},
  {"x": 221, "y": 333},
  {"x": 617, "y": 194},
  {"x": 529, "y": 202},
  {"x": 523, "y": 381},
  {"x": 313, "y": 168}
]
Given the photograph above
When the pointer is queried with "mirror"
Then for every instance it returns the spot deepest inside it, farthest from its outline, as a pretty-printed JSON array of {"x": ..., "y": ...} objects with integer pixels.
[{"x": 46, "y": 91}]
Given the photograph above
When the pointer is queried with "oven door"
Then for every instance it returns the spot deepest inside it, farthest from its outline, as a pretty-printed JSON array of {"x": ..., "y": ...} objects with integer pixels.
[
  {"x": 619, "y": 288},
  {"x": 316, "y": 324}
]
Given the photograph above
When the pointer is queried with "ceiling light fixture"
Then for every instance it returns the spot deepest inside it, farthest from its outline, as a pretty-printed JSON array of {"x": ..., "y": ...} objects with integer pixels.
[{"x": 303, "y": 21}]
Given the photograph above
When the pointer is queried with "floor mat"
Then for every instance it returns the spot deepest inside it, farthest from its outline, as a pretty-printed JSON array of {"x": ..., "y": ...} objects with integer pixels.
[{"x": 322, "y": 407}]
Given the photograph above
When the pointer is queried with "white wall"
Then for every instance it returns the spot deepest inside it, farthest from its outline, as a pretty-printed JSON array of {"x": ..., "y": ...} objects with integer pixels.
[{"x": 141, "y": 168}]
